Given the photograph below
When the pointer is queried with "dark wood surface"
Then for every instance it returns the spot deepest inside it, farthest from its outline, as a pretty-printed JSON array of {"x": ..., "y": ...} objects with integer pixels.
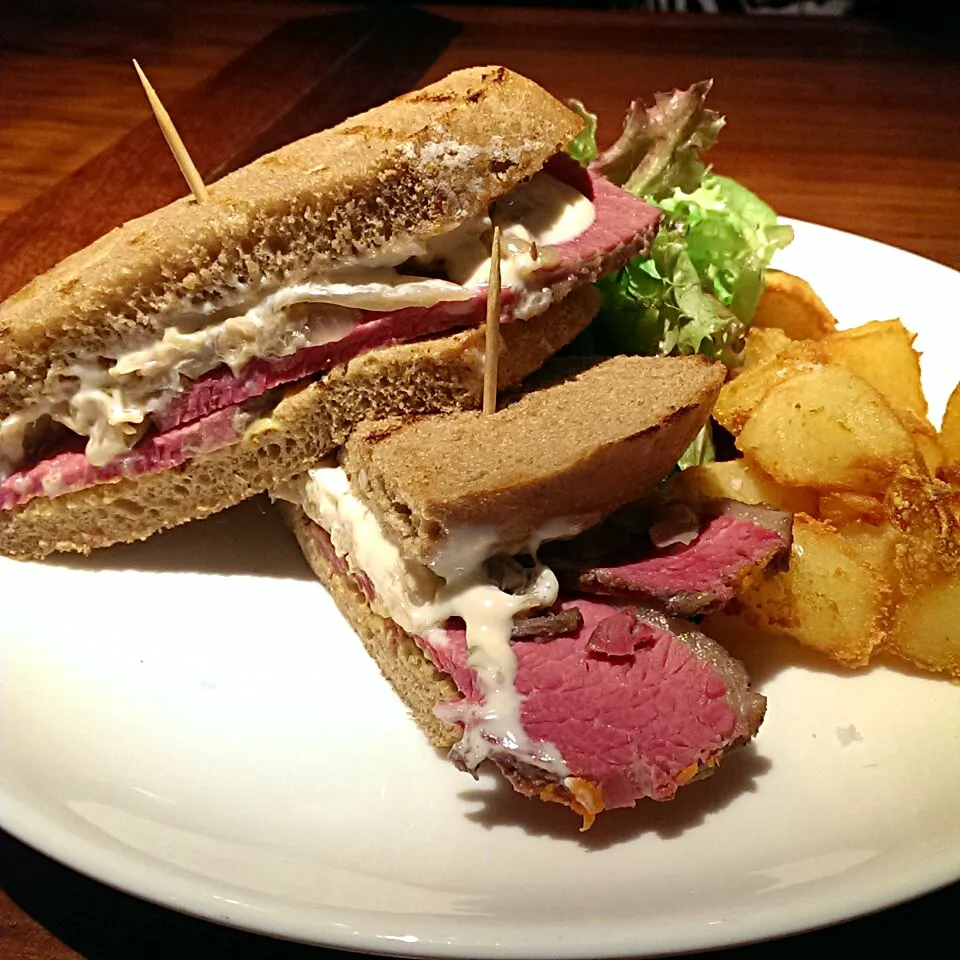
[{"x": 850, "y": 124}]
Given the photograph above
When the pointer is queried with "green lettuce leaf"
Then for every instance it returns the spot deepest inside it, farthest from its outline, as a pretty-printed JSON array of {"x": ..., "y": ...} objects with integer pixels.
[
  {"x": 658, "y": 305},
  {"x": 730, "y": 236},
  {"x": 583, "y": 147},
  {"x": 697, "y": 290},
  {"x": 700, "y": 451},
  {"x": 659, "y": 149}
]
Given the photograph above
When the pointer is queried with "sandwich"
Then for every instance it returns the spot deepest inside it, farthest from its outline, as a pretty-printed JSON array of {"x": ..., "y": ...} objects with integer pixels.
[
  {"x": 198, "y": 355},
  {"x": 527, "y": 587}
]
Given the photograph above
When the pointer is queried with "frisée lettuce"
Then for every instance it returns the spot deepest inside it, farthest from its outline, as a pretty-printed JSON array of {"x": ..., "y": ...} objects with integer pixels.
[{"x": 697, "y": 290}]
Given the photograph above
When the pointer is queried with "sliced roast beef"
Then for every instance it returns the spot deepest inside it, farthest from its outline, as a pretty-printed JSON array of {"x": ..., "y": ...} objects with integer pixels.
[
  {"x": 222, "y": 386},
  {"x": 622, "y": 633},
  {"x": 70, "y": 470},
  {"x": 735, "y": 544},
  {"x": 620, "y": 703},
  {"x": 636, "y": 703}
]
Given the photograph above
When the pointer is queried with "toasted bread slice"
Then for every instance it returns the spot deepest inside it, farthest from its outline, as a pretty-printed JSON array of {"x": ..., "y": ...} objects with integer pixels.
[
  {"x": 442, "y": 374},
  {"x": 552, "y": 463},
  {"x": 405, "y": 171}
]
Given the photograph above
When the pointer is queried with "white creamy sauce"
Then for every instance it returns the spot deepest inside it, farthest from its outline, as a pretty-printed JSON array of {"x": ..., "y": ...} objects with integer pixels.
[
  {"x": 404, "y": 591},
  {"x": 539, "y": 213},
  {"x": 467, "y": 548},
  {"x": 420, "y": 601},
  {"x": 109, "y": 403}
]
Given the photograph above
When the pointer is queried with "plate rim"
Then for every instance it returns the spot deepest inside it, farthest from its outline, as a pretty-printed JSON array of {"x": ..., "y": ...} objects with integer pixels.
[{"x": 151, "y": 881}]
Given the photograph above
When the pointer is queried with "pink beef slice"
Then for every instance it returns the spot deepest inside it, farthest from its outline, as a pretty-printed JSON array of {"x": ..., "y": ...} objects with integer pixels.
[
  {"x": 734, "y": 545},
  {"x": 637, "y": 703},
  {"x": 624, "y": 227},
  {"x": 222, "y": 386},
  {"x": 69, "y": 470}
]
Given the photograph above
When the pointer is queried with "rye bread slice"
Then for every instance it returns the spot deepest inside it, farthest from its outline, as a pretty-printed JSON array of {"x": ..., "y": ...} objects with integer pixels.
[{"x": 560, "y": 457}]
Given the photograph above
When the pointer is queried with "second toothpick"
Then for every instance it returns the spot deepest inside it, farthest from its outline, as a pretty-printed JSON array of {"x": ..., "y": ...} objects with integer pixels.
[{"x": 492, "y": 356}]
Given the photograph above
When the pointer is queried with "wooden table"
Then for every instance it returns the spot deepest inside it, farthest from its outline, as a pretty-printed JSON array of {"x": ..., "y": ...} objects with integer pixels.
[{"x": 844, "y": 123}]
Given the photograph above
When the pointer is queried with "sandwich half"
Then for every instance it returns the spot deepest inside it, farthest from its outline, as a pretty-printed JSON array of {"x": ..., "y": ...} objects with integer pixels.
[
  {"x": 193, "y": 357},
  {"x": 526, "y": 593}
]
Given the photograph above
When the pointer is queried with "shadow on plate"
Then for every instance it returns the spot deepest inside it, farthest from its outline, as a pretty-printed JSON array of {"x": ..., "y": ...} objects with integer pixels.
[
  {"x": 249, "y": 539},
  {"x": 101, "y": 923},
  {"x": 502, "y": 806}
]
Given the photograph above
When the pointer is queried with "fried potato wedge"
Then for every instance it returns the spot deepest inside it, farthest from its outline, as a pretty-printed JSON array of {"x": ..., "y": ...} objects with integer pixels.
[
  {"x": 926, "y": 627},
  {"x": 881, "y": 352},
  {"x": 950, "y": 430},
  {"x": 790, "y": 304},
  {"x": 829, "y": 599},
  {"x": 876, "y": 544},
  {"x": 826, "y": 428},
  {"x": 925, "y": 437},
  {"x": 763, "y": 345},
  {"x": 741, "y": 481},
  {"x": 925, "y": 512}
]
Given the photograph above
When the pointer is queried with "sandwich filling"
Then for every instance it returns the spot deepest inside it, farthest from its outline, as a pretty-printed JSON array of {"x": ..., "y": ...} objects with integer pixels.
[
  {"x": 560, "y": 228},
  {"x": 593, "y": 701}
]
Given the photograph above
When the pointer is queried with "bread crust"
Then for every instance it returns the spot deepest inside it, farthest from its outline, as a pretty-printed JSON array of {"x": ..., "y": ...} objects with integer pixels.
[
  {"x": 403, "y": 664},
  {"x": 411, "y": 168},
  {"x": 442, "y": 374},
  {"x": 568, "y": 453}
]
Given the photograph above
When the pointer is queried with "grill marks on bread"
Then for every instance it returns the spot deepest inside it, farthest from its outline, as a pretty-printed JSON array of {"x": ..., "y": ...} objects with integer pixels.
[{"x": 410, "y": 168}]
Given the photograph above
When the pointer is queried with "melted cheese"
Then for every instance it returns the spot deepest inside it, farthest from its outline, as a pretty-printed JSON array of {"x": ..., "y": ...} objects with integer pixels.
[
  {"x": 109, "y": 403},
  {"x": 420, "y": 601}
]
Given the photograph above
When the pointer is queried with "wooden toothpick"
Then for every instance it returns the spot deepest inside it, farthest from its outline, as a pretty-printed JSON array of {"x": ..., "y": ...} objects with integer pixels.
[
  {"x": 169, "y": 131},
  {"x": 492, "y": 356}
]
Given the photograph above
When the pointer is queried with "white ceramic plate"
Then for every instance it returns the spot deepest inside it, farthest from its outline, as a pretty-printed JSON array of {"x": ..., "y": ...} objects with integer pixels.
[{"x": 190, "y": 720}]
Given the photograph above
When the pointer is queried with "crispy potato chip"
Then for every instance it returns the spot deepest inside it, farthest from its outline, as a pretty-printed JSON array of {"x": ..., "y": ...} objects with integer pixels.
[
  {"x": 842, "y": 415},
  {"x": 876, "y": 544},
  {"x": 764, "y": 344},
  {"x": 926, "y": 625},
  {"x": 740, "y": 396},
  {"x": 826, "y": 428},
  {"x": 925, "y": 512},
  {"x": 950, "y": 472},
  {"x": 741, "y": 481},
  {"x": 930, "y": 451},
  {"x": 881, "y": 352},
  {"x": 926, "y": 438},
  {"x": 830, "y": 599},
  {"x": 950, "y": 429},
  {"x": 789, "y": 304}
]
